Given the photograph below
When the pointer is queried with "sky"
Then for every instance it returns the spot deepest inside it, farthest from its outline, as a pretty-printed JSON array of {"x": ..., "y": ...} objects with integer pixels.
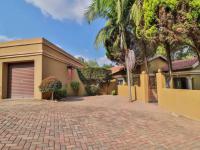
[{"x": 61, "y": 22}]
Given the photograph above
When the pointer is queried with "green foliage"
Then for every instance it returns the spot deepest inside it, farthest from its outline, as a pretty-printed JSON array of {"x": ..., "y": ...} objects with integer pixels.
[
  {"x": 149, "y": 9},
  {"x": 75, "y": 86},
  {"x": 92, "y": 63},
  {"x": 161, "y": 50},
  {"x": 185, "y": 53},
  {"x": 92, "y": 90},
  {"x": 114, "y": 92},
  {"x": 92, "y": 75},
  {"x": 115, "y": 35},
  {"x": 50, "y": 84},
  {"x": 107, "y": 66},
  {"x": 61, "y": 93},
  {"x": 93, "y": 78}
]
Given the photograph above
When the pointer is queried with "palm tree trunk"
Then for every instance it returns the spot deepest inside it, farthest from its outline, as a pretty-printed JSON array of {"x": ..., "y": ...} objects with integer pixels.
[
  {"x": 126, "y": 62},
  {"x": 128, "y": 79},
  {"x": 168, "y": 51}
]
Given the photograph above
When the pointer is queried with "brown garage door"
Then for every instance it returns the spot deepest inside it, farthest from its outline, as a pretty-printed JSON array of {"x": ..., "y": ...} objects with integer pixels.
[{"x": 21, "y": 80}]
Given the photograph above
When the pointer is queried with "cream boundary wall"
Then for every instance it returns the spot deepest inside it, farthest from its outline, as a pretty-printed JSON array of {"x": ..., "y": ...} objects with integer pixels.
[
  {"x": 140, "y": 93},
  {"x": 49, "y": 60},
  {"x": 183, "y": 102}
]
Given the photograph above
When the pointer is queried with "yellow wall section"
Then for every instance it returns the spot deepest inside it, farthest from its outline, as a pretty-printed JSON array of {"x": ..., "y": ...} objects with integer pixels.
[
  {"x": 183, "y": 102},
  {"x": 55, "y": 68},
  {"x": 52, "y": 67},
  {"x": 82, "y": 91},
  {"x": 140, "y": 93},
  {"x": 123, "y": 91}
]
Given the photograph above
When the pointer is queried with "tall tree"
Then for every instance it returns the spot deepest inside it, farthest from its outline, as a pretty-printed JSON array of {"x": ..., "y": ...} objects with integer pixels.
[
  {"x": 166, "y": 22},
  {"x": 118, "y": 27},
  {"x": 145, "y": 43}
]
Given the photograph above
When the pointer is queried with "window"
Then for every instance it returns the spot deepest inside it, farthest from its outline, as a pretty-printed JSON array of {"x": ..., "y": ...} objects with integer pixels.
[
  {"x": 120, "y": 81},
  {"x": 70, "y": 72},
  {"x": 181, "y": 83}
]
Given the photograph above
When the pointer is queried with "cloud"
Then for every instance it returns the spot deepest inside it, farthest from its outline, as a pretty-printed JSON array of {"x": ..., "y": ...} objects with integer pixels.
[
  {"x": 85, "y": 58},
  {"x": 62, "y": 9},
  {"x": 5, "y": 38},
  {"x": 104, "y": 60}
]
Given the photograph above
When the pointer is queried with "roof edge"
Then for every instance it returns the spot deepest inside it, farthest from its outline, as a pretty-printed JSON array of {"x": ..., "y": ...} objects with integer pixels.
[
  {"x": 23, "y": 42},
  {"x": 20, "y": 42},
  {"x": 55, "y": 47}
]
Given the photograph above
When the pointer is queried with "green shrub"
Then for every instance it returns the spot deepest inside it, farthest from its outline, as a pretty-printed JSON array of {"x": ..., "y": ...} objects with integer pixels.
[
  {"x": 114, "y": 92},
  {"x": 60, "y": 94},
  {"x": 92, "y": 90},
  {"x": 94, "y": 75},
  {"x": 75, "y": 87},
  {"x": 50, "y": 85}
]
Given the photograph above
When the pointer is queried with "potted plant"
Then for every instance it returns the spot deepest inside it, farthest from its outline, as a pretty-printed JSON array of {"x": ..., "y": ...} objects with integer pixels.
[
  {"x": 50, "y": 85},
  {"x": 75, "y": 85}
]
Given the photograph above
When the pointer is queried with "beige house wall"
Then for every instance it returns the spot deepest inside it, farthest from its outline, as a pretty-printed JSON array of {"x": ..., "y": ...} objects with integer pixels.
[
  {"x": 82, "y": 91},
  {"x": 53, "y": 67},
  {"x": 49, "y": 60}
]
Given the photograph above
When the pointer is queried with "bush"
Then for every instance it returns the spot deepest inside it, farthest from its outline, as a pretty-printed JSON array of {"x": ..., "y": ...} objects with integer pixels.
[
  {"x": 92, "y": 75},
  {"x": 92, "y": 90},
  {"x": 75, "y": 87},
  {"x": 59, "y": 94},
  {"x": 114, "y": 92},
  {"x": 50, "y": 85}
]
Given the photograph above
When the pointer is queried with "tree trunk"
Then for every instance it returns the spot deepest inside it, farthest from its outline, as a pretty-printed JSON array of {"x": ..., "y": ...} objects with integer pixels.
[
  {"x": 52, "y": 96},
  {"x": 168, "y": 50},
  {"x": 198, "y": 55},
  {"x": 128, "y": 79},
  {"x": 123, "y": 47},
  {"x": 146, "y": 65},
  {"x": 145, "y": 59}
]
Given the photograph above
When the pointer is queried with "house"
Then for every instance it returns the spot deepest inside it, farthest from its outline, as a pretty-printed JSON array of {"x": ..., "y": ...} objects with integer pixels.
[
  {"x": 119, "y": 73},
  {"x": 186, "y": 73},
  {"x": 25, "y": 63},
  {"x": 154, "y": 63}
]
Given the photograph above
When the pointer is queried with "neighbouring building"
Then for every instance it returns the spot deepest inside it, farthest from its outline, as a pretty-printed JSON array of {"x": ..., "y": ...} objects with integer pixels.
[
  {"x": 119, "y": 73},
  {"x": 186, "y": 73},
  {"x": 155, "y": 63},
  {"x": 25, "y": 63}
]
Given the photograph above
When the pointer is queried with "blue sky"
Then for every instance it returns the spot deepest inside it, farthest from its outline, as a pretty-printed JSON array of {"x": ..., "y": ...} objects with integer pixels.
[{"x": 60, "y": 21}]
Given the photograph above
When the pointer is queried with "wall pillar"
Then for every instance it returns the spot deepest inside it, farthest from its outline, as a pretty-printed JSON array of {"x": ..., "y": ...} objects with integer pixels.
[
  {"x": 1, "y": 80},
  {"x": 160, "y": 83},
  {"x": 190, "y": 86},
  {"x": 37, "y": 77},
  {"x": 144, "y": 84}
]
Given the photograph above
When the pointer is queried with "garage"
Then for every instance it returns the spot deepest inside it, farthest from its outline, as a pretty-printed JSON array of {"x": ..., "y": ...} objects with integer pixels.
[
  {"x": 21, "y": 80},
  {"x": 25, "y": 63}
]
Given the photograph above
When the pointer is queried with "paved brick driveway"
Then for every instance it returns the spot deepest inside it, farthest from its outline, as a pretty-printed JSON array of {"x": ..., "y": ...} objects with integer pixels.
[{"x": 94, "y": 123}]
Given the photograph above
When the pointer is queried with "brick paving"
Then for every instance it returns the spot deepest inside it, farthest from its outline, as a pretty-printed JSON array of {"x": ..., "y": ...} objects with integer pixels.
[{"x": 93, "y": 123}]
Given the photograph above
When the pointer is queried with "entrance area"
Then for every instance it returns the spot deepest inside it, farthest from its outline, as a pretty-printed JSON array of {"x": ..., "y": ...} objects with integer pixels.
[{"x": 21, "y": 80}]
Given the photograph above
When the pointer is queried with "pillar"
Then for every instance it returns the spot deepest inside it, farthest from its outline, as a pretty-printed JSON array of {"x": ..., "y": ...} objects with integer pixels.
[
  {"x": 144, "y": 84},
  {"x": 160, "y": 83}
]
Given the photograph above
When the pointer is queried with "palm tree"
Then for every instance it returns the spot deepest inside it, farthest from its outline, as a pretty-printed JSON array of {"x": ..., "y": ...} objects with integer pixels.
[{"x": 118, "y": 25}]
